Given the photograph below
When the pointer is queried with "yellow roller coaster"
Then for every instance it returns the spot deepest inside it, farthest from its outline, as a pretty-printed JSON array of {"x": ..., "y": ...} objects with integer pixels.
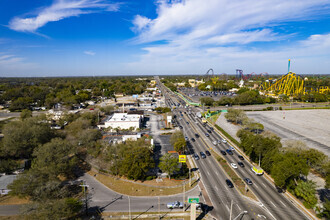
[{"x": 290, "y": 84}]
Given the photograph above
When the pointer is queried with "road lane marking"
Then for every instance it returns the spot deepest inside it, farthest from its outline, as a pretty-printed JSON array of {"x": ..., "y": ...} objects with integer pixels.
[
  {"x": 227, "y": 208},
  {"x": 264, "y": 185},
  {"x": 255, "y": 185},
  {"x": 273, "y": 204},
  {"x": 238, "y": 207},
  {"x": 217, "y": 173},
  {"x": 282, "y": 203},
  {"x": 208, "y": 173}
]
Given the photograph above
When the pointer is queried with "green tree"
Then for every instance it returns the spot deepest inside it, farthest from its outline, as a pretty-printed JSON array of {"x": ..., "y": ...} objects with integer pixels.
[
  {"x": 26, "y": 114},
  {"x": 306, "y": 190},
  {"x": 287, "y": 168},
  {"x": 236, "y": 115},
  {"x": 178, "y": 141},
  {"x": 169, "y": 164},
  {"x": 208, "y": 101},
  {"x": 66, "y": 208},
  {"x": 55, "y": 158},
  {"x": 8, "y": 165},
  {"x": 21, "y": 137},
  {"x": 108, "y": 109}
]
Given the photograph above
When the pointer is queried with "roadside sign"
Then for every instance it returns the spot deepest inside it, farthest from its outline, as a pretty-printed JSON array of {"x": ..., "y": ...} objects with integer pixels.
[
  {"x": 193, "y": 199},
  {"x": 171, "y": 152},
  {"x": 182, "y": 159}
]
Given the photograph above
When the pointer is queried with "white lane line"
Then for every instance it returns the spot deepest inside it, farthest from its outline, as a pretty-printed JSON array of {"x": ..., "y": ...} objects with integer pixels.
[
  {"x": 208, "y": 173},
  {"x": 217, "y": 173},
  {"x": 264, "y": 185},
  {"x": 282, "y": 203},
  {"x": 255, "y": 185},
  {"x": 238, "y": 206},
  {"x": 273, "y": 204}
]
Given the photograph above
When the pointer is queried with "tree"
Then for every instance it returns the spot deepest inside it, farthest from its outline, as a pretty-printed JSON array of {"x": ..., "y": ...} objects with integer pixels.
[
  {"x": 108, "y": 109},
  {"x": 287, "y": 168},
  {"x": 306, "y": 190},
  {"x": 169, "y": 164},
  {"x": 21, "y": 137},
  {"x": 8, "y": 165},
  {"x": 236, "y": 115},
  {"x": 26, "y": 114},
  {"x": 66, "y": 208},
  {"x": 208, "y": 101},
  {"x": 178, "y": 141},
  {"x": 55, "y": 158}
]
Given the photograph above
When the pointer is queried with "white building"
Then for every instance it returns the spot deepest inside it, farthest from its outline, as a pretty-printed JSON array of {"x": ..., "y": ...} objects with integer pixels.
[{"x": 124, "y": 121}]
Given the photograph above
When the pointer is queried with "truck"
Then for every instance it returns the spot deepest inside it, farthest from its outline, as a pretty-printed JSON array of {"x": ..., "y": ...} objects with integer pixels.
[
  {"x": 257, "y": 170},
  {"x": 175, "y": 205}
]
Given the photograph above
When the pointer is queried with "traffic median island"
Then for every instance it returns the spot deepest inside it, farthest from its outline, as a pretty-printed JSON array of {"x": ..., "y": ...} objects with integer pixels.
[
  {"x": 238, "y": 182},
  {"x": 146, "y": 188}
]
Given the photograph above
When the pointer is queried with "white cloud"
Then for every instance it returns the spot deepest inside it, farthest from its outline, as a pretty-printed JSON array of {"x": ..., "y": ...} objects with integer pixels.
[
  {"x": 59, "y": 10},
  {"x": 13, "y": 65},
  {"x": 91, "y": 53},
  {"x": 196, "y": 35}
]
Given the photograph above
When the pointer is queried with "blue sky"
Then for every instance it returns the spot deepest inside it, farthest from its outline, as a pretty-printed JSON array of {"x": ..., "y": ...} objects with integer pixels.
[{"x": 101, "y": 37}]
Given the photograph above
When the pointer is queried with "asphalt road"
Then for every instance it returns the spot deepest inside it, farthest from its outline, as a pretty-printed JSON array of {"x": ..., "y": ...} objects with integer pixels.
[{"x": 273, "y": 205}]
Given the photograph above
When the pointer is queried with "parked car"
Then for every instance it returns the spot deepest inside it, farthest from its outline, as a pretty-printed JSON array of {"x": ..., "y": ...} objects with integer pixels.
[
  {"x": 233, "y": 165},
  {"x": 248, "y": 181},
  {"x": 240, "y": 157},
  {"x": 208, "y": 153},
  {"x": 229, "y": 183},
  {"x": 241, "y": 164},
  {"x": 229, "y": 152},
  {"x": 175, "y": 205}
]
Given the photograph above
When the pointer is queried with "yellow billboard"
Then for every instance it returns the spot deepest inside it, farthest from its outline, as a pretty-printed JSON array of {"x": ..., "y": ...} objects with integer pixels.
[{"x": 182, "y": 158}]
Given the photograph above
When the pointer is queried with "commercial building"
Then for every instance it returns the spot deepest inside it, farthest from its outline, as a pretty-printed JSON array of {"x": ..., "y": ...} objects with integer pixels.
[{"x": 124, "y": 121}]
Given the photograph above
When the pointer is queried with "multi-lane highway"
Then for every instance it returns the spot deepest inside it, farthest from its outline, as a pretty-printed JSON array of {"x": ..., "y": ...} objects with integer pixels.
[{"x": 271, "y": 205}]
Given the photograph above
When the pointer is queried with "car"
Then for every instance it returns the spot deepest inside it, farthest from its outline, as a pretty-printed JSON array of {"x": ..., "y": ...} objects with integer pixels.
[
  {"x": 187, "y": 123},
  {"x": 186, "y": 138},
  {"x": 208, "y": 153},
  {"x": 180, "y": 127},
  {"x": 209, "y": 131},
  {"x": 233, "y": 165},
  {"x": 229, "y": 183},
  {"x": 203, "y": 155},
  {"x": 231, "y": 148},
  {"x": 193, "y": 139},
  {"x": 248, "y": 181},
  {"x": 240, "y": 157},
  {"x": 211, "y": 128},
  {"x": 175, "y": 205},
  {"x": 219, "y": 141},
  {"x": 223, "y": 152},
  {"x": 204, "y": 124},
  {"x": 196, "y": 156},
  {"x": 197, "y": 135},
  {"x": 241, "y": 164},
  {"x": 214, "y": 143},
  {"x": 224, "y": 141},
  {"x": 207, "y": 135},
  {"x": 229, "y": 152}
]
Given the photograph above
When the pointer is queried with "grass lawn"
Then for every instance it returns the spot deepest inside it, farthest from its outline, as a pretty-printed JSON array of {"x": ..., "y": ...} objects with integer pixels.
[
  {"x": 152, "y": 188},
  {"x": 12, "y": 200}
]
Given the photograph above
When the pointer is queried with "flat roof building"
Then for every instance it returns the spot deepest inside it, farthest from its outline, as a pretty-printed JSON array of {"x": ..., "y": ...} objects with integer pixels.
[{"x": 124, "y": 121}]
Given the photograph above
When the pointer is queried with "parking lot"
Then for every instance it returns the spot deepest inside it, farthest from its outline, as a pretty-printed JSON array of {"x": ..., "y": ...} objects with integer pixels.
[{"x": 194, "y": 94}]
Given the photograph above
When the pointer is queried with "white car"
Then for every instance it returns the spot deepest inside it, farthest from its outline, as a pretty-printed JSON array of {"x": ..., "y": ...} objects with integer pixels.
[
  {"x": 224, "y": 140},
  {"x": 233, "y": 165},
  {"x": 214, "y": 143},
  {"x": 232, "y": 149}
]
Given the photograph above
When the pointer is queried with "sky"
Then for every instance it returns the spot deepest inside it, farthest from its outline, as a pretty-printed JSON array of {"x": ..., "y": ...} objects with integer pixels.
[{"x": 157, "y": 37}]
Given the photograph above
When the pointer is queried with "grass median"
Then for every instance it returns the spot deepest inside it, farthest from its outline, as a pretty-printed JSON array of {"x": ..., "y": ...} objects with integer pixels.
[
  {"x": 151, "y": 188},
  {"x": 238, "y": 182}
]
